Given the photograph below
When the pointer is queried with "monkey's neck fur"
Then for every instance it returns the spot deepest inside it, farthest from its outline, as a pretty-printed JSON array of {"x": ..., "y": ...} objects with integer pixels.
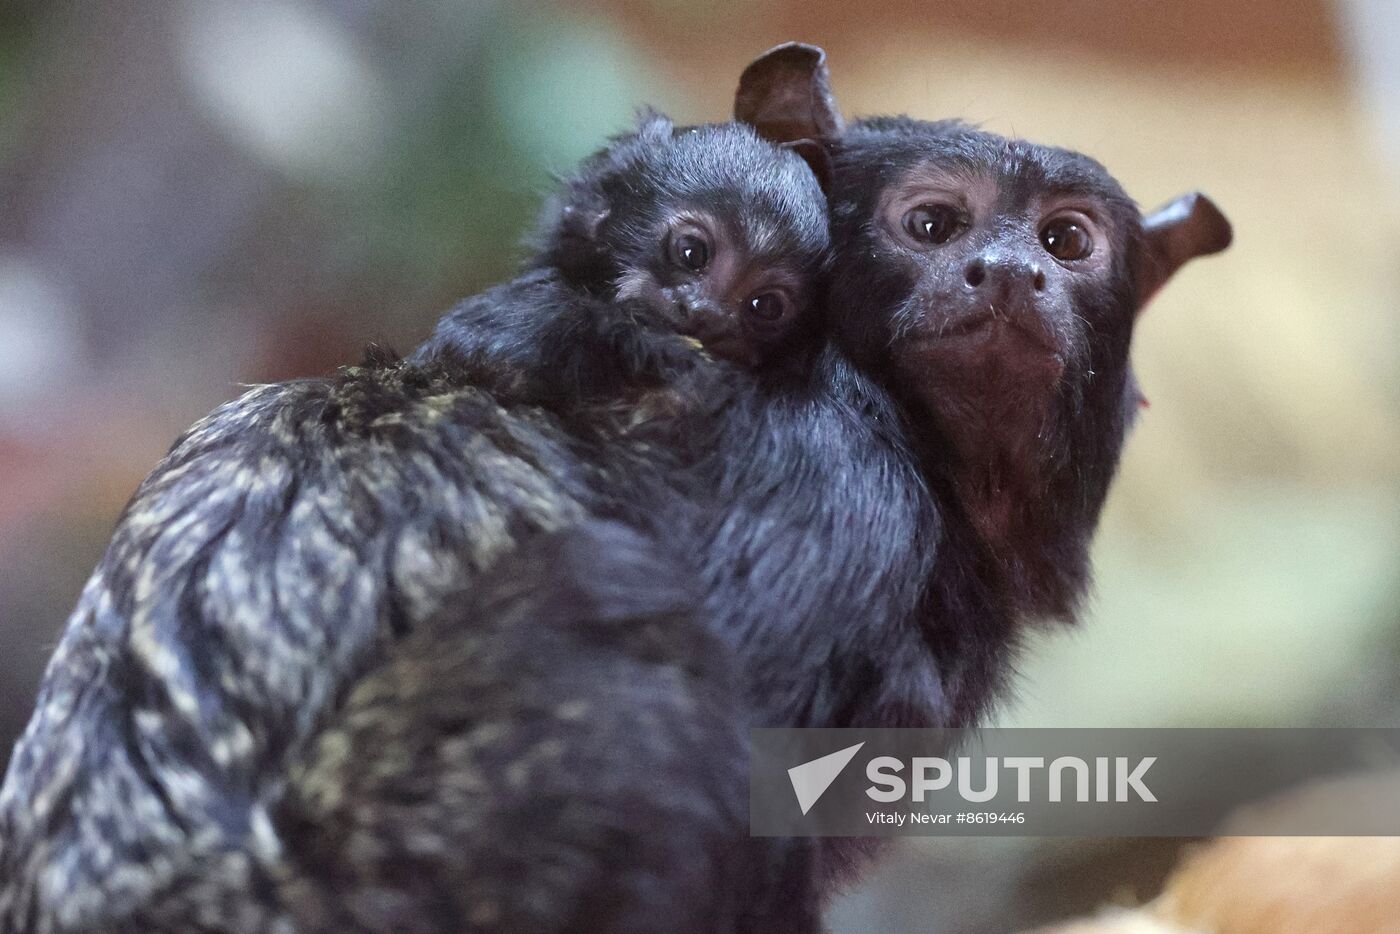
[
  {"x": 908, "y": 600},
  {"x": 1004, "y": 471}
]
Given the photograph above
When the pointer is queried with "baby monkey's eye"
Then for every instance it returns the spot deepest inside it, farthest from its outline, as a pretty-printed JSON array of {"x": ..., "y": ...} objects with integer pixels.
[
  {"x": 1067, "y": 239},
  {"x": 690, "y": 251},
  {"x": 934, "y": 223},
  {"x": 770, "y": 306}
]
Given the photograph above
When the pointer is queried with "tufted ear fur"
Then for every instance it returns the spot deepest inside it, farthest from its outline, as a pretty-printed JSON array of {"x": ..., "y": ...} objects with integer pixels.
[
  {"x": 571, "y": 240},
  {"x": 580, "y": 223}
]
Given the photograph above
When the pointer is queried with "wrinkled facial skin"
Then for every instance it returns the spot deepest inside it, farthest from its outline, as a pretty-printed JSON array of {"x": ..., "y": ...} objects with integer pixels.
[
  {"x": 993, "y": 279},
  {"x": 988, "y": 291},
  {"x": 714, "y": 231}
]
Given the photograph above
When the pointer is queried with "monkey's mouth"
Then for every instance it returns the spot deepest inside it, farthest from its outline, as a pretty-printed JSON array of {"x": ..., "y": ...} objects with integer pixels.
[
  {"x": 993, "y": 325},
  {"x": 966, "y": 325}
]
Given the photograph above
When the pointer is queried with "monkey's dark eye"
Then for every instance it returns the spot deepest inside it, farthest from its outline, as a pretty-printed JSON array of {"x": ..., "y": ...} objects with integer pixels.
[
  {"x": 934, "y": 223},
  {"x": 1066, "y": 239},
  {"x": 770, "y": 306},
  {"x": 690, "y": 251}
]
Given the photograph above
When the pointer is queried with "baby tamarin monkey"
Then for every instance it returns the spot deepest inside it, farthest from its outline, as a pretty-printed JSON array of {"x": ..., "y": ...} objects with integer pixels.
[{"x": 668, "y": 242}]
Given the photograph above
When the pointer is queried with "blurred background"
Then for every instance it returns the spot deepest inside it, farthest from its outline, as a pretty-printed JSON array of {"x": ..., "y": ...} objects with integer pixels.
[{"x": 199, "y": 195}]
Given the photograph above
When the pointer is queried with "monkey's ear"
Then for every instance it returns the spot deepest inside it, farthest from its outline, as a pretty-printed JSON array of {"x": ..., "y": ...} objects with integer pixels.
[
  {"x": 817, "y": 158},
  {"x": 1188, "y": 227},
  {"x": 570, "y": 241},
  {"x": 785, "y": 94},
  {"x": 580, "y": 222}
]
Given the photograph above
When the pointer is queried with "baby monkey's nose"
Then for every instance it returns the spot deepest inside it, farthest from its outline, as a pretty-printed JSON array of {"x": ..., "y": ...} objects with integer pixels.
[{"x": 700, "y": 316}]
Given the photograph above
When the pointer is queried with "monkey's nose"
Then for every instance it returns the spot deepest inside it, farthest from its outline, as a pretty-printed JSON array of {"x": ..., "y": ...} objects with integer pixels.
[
  {"x": 701, "y": 318},
  {"x": 699, "y": 309},
  {"x": 1003, "y": 273}
]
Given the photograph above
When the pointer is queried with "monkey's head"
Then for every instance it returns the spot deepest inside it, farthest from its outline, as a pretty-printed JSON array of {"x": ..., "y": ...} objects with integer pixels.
[
  {"x": 720, "y": 233},
  {"x": 993, "y": 284}
]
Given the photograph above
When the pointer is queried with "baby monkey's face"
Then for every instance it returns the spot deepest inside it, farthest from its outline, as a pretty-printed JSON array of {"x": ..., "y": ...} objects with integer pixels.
[
  {"x": 714, "y": 232},
  {"x": 713, "y": 275}
]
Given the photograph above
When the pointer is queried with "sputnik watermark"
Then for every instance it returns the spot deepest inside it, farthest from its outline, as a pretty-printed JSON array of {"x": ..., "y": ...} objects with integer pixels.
[
  {"x": 1115, "y": 779},
  {"x": 1162, "y": 782},
  {"x": 810, "y": 780},
  {"x": 1118, "y": 780}
]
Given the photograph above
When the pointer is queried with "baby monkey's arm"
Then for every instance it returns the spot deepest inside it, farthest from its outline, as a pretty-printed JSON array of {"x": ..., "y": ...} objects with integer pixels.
[{"x": 563, "y": 343}]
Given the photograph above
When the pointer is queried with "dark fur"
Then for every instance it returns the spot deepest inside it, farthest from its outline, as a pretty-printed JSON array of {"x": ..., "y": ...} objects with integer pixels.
[
  {"x": 573, "y": 795},
  {"x": 1059, "y": 476},
  {"x": 283, "y": 542},
  {"x": 292, "y": 536},
  {"x": 831, "y": 526},
  {"x": 808, "y": 510},
  {"x": 843, "y": 561},
  {"x": 562, "y": 322}
]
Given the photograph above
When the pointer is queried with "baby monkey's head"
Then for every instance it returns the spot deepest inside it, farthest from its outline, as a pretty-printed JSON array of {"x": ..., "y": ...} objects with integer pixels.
[{"x": 719, "y": 234}]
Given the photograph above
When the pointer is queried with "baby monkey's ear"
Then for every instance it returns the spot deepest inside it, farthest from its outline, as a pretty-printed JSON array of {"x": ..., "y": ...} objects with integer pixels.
[
  {"x": 1188, "y": 227},
  {"x": 572, "y": 241},
  {"x": 785, "y": 94},
  {"x": 580, "y": 223}
]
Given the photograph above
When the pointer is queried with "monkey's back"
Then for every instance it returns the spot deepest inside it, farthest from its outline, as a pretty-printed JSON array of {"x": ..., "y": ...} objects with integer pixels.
[{"x": 282, "y": 541}]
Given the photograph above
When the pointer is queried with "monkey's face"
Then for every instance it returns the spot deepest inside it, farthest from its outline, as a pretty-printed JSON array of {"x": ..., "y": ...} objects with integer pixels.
[
  {"x": 999, "y": 271},
  {"x": 1015, "y": 289},
  {"x": 708, "y": 274},
  {"x": 997, "y": 282},
  {"x": 717, "y": 233}
]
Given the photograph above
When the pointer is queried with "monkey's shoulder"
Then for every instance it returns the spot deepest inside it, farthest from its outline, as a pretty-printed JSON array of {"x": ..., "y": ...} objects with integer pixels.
[{"x": 377, "y": 409}]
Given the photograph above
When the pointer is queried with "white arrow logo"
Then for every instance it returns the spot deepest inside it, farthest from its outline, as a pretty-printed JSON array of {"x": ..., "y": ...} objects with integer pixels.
[{"x": 810, "y": 780}]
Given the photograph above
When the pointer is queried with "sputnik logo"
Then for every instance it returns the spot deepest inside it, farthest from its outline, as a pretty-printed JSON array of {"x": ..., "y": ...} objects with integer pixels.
[{"x": 810, "y": 780}]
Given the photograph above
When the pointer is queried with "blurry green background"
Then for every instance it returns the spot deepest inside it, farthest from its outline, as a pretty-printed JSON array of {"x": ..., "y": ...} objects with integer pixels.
[{"x": 199, "y": 195}]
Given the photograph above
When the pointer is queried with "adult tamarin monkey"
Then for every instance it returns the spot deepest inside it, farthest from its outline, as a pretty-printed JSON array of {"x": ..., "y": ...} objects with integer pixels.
[
  {"x": 893, "y": 516},
  {"x": 865, "y": 541}
]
